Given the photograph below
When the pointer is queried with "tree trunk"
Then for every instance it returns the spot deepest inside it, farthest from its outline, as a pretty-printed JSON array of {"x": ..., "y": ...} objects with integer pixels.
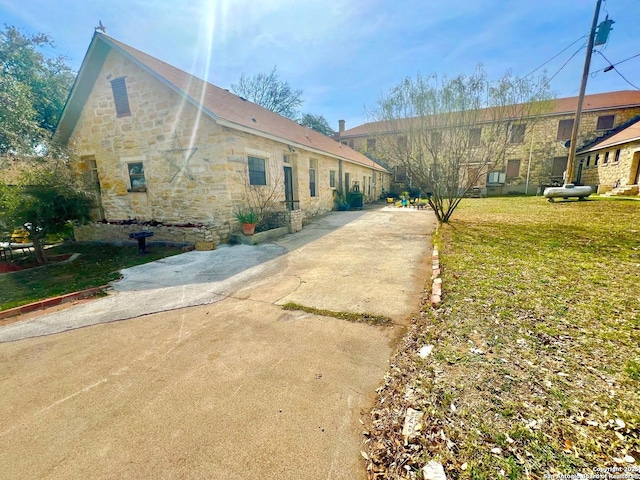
[{"x": 41, "y": 258}]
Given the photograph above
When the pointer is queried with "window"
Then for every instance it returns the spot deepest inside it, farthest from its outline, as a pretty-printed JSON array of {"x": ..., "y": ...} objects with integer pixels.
[
  {"x": 257, "y": 171},
  {"x": 136, "y": 177},
  {"x": 588, "y": 161},
  {"x": 606, "y": 158},
  {"x": 559, "y": 166},
  {"x": 605, "y": 122},
  {"x": 597, "y": 160},
  {"x": 616, "y": 159},
  {"x": 564, "y": 129},
  {"x": 475, "y": 137},
  {"x": 371, "y": 144},
  {"x": 332, "y": 178},
  {"x": 313, "y": 166},
  {"x": 517, "y": 134},
  {"x": 513, "y": 169},
  {"x": 119, "y": 88},
  {"x": 436, "y": 139}
]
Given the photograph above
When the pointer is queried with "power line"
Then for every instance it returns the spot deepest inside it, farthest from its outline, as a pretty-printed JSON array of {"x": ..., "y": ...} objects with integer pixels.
[
  {"x": 612, "y": 67},
  {"x": 565, "y": 64},
  {"x": 617, "y": 63},
  {"x": 557, "y": 54}
]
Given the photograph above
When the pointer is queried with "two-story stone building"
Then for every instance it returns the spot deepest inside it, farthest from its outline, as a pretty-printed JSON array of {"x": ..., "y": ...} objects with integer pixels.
[
  {"x": 166, "y": 148},
  {"x": 538, "y": 150}
]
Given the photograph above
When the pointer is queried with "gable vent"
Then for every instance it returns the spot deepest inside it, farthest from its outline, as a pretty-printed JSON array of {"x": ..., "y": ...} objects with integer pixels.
[{"x": 120, "y": 97}]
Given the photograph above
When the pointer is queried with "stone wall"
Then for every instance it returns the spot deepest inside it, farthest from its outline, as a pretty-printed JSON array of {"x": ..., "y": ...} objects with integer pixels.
[
  {"x": 115, "y": 233},
  {"x": 605, "y": 175},
  {"x": 195, "y": 170}
]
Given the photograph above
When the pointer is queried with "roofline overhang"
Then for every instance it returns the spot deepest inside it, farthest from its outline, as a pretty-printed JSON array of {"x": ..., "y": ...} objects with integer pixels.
[
  {"x": 253, "y": 131},
  {"x": 595, "y": 148}
]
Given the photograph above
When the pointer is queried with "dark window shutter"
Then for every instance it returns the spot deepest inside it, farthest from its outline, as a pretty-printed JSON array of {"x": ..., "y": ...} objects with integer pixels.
[
  {"x": 119, "y": 88},
  {"x": 565, "y": 128},
  {"x": 605, "y": 122}
]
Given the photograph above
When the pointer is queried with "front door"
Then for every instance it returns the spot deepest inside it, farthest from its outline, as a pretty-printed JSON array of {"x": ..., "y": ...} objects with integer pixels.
[
  {"x": 288, "y": 187},
  {"x": 579, "y": 174}
]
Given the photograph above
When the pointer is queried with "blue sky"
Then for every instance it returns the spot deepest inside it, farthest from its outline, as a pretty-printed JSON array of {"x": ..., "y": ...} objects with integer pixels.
[{"x": 345, "y": 54}]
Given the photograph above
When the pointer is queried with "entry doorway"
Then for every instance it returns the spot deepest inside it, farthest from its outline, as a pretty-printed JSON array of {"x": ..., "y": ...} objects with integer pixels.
[
  {"x": 288, "y": 188},
  {"x": 97, "y": 213}
]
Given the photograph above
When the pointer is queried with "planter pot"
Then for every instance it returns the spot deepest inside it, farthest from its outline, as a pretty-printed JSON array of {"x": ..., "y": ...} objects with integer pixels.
[{"x": 248, "y": 228}]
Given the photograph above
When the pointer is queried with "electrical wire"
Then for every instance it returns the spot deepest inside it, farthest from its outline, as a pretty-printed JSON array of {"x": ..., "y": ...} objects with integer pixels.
[
  {"x": 565, "y": 64},
  {"x": 557, "y": 54},
  {"x": 617, "y": 63},
  {"x": 616, "y": 70}
]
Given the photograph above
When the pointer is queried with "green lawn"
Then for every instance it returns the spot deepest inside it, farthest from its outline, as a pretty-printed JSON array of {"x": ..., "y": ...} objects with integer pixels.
[
  {"x": 96, "y": 266},
  {"x": 550, "y": 295}
]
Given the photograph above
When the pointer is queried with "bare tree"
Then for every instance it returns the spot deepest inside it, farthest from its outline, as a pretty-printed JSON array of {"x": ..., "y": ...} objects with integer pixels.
[
  {"x": 268, "y": 91},
  {"x": 448, "y": 133}
]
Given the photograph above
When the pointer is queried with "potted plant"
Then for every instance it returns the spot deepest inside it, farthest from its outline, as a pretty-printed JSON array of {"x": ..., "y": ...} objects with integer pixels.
[{"x": 248, "y": 218}]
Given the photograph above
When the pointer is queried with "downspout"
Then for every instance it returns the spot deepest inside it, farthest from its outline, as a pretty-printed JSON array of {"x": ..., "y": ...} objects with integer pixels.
[{"x": 526, "y": 188}]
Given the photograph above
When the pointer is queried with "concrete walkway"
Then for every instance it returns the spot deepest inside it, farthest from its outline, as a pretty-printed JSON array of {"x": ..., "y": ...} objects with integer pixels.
[{"x": 208, "y": 377}]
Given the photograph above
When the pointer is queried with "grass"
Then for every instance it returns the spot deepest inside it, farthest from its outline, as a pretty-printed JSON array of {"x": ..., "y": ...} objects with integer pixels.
[
  {"x": 550, "y": 294},
  {"x": 97, "y": 265},
  {"x": 348, "y": 316}
]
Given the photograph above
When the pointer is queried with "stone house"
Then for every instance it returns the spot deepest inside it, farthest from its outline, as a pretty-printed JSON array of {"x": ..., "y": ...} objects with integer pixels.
[
  {"x": 538, "y": 151},
  {"x": 612, "y": 164},
  {"x": 164, "y": 148}
]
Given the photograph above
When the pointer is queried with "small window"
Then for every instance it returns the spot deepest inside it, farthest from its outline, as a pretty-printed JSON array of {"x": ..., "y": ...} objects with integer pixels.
[
  {"x": 371, "y": 144},
  {"x": 120, "y": 97},
  {"x": 606, "y": 158},
  {"x": 332, "y": 178},
  {"x": 513, "y": 169},
  {"x": 616, "y": 159},
  {"x": 475, "y": 137},
  {"x": 517, "y": 134},
  {"x": 313, "y": 165},
  {"x": 597, "y": 160},
  {"x": 257, "y": 171},
  {"x": 564, "y": 129},
  {"x": 136, "y": 177},
  {"x": 605, "y": 122}
]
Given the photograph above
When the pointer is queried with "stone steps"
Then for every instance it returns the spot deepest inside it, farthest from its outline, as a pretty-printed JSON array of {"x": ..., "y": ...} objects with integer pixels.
[{"x": 626, "y": 190}]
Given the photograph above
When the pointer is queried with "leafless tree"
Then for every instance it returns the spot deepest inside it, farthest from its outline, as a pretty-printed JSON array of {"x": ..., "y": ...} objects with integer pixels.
[
  {"x": 270, "y": 92},
  {"x": 448, "y": 133}
]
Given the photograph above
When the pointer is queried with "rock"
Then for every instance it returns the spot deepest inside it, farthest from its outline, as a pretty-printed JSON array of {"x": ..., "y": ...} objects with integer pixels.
[
  {"x": 425, "y": 351},
  {"x": 433, "y": 471},
  {"x": 412, "y": 423}
]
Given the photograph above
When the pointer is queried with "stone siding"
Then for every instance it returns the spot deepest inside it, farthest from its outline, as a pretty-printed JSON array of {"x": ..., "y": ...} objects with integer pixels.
[
  {"x": 604, "y": 176},
  {"x": 540, "y": 152},
  {"x": 195, "y": 170}
]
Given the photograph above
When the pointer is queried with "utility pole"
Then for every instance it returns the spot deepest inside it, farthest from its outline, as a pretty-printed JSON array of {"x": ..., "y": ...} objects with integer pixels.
[{"x": 583, "y": 86}]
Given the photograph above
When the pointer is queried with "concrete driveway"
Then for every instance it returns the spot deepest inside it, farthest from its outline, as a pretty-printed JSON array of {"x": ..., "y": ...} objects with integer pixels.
[{"x": 207, "y": 376}]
